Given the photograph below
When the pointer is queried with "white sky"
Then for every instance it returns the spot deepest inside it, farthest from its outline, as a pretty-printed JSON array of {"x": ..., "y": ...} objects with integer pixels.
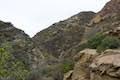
[{"x": 35, "y": 15}]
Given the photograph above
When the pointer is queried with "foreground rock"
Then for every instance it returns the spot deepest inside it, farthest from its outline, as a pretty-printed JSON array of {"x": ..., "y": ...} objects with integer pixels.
[
  {"x": 68, "y": 75},
  {"x": 106, "y": 66},
  {"x": 93, "y": 66},
  {"x": 81, "y": 69}
]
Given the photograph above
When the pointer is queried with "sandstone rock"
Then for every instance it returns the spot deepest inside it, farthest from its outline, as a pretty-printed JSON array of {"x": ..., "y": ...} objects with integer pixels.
[
  {"x": 68, "y": 75},
  {"x": 106, "y": 66},
  {"x": 81, "y": 68},
  {"x": 85, "y": 54},
  {"x": 93, "y": 66},
  {"x": 114, "y": 32}
]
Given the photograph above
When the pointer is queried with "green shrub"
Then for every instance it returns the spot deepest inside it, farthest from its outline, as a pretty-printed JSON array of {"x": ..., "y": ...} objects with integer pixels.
[
  {"x": 67, "y": 65},
  {"x": 109, "y": 42},
  {"x": 34, "y": 75},
  {"x": 101, "y": 49},
  {"x": 47, "y": 71},
  {"x": 102, "y": 42},
  {"x": 96, "y": 40}
]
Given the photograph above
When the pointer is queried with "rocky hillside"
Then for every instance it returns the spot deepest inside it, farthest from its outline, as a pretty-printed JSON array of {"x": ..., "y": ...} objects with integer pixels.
[
  {"x": 20, "y": 46},
  {"x": 19, "y": 41},
  {"x": 61, "y": 36},
  {"x": 107, "y": 18},
  {"x": 66, "y": 38},
  {"x": 62, "y": 48},
  {"x": 20, "y": 56}
]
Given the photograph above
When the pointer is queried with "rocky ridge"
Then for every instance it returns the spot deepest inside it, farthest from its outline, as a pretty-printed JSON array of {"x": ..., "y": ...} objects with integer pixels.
[{"x": 61, "y": 36}]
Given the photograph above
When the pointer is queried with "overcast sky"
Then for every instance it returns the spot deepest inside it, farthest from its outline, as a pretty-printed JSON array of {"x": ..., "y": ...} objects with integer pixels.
[{"x": 35, "y": 15}]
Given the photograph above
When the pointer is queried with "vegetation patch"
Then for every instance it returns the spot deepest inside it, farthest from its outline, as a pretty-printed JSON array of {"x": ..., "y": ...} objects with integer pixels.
[
  {"x": 11, "y": 68},
  {"x": 102, "y": 42},
  {"x": 67, "y": 65}
]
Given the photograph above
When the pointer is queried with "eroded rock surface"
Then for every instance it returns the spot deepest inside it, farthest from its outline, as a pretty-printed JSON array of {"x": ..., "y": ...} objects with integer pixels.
[
  {"x": 106, "y": 66},
  {"x": 91, "y": 65},
  {"x": 82, "y": 61},
  {"x": 68, "y": 75}
]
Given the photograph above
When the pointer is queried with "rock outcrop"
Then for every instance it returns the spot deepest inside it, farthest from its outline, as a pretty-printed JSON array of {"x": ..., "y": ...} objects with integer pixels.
[
  {"x": 91, "y": 65},
  {"x": 106, "y": 66},
  {"x": 82, "y": 61},
  {"x": 114, "y": 32},
  {"x": 68, "y": 75}
]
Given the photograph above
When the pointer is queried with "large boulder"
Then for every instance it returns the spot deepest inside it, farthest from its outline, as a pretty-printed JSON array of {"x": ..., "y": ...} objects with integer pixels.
[
  {"x": 81, "y": 69},
  {"x": 68, "y": 75},
  {"x": 106, "y": 66},
  {"x": 90, "y": 65}
]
